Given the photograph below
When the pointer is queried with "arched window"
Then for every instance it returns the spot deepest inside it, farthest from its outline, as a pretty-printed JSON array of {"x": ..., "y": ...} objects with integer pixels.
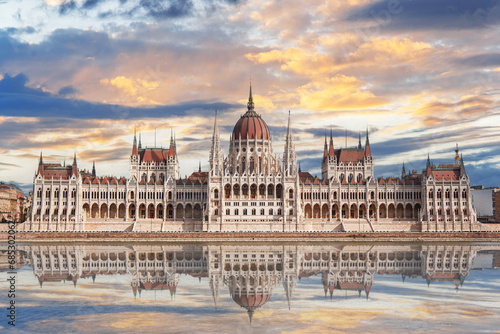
[
  {"x": 270, "y": 212},
  {"x": 290, "y": 194},
  {"x": 216, "y": 193},
  {"x": 131, "y": 195}
]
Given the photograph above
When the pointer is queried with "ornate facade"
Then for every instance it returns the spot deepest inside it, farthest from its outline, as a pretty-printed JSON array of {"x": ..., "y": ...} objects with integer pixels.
[{"x": 251, "y": 189}]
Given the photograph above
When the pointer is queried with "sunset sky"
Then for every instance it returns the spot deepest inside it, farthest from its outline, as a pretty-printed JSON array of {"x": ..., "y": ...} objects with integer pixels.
[{"x": 80, "y": 76}]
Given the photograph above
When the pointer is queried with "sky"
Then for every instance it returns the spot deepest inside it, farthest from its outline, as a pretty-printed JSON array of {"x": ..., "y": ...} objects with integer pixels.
[{"x": 81, "y": 76}]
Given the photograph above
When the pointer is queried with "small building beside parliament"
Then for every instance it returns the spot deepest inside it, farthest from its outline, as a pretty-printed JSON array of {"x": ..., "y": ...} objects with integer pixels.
[{"x": 250, "y": 189}]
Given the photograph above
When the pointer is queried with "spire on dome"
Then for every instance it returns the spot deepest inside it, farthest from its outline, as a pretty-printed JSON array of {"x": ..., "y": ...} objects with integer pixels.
[{"x": 250, "y": 104}]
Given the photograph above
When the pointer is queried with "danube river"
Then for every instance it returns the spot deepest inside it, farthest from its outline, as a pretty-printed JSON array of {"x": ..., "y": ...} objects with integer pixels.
[{"x": 251, "y": 288}]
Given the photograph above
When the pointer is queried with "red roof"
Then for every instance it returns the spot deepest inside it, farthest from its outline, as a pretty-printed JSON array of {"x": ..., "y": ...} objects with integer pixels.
[
  {"x": 347, "y": 155},
  {"x": 251, "y": 126},
  {"x": 446, "y": 175}
]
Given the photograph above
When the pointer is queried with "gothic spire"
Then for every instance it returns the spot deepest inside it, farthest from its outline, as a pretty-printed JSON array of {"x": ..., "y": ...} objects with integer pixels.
[
  {"x": 429, "y": 165},
  {"x": 359, "y": 143},
  {"x": 140, "y": 145},
  {"x": 368, "y": 151},
  {"x": 199, "y": 167},
  {"x": 325, "y": 151},
  {"x": 331, "y": 153},
  {"x": 93, "y": 169},
  {"x": 403, "y": 171},
  {"x": 40, "y": 162},
  {"x": 74, "y": 159}
]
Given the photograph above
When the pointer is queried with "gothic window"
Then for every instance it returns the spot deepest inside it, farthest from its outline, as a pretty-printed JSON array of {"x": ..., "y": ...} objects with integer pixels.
[
  {"x": 47, "y": 193},
  {"x": 291, "y": 212},
  {"x": 216, "y": 193},
  {"x": 262, "y": 190},
  {"x": 270, "y": 190},
  {"x": 278, "y": 191},
  {"x": 131, "y": 195},
  {"x": 279, "y": 212},
  {"x": 244, "y": 212},
  {"x": 169, "y": 195},
  {"x": 251, "y": 165},
  {"x": 290, "y": 194},
  {"x": 359, "y": 177},
  {"x": 236, "y": 212},
  {"x": 254, "y": 212},
  {"x": 228, "y": 212},
  {"x": 431, "y": 194},
  {"x": 253, "y": 190},
  {"x": 39, "y": 193},
  {"x": 372, "y": 195},
  {"x": 162, "y": 177},
  {"x": 227, "y": 190},
  {"x": 261, "y": 212},
  {"x": 341, "y": 177},
  {"x": 244, "y": 190},
  {"x": 243, "y": 163},
  {"x": 350, "y": 178},
  {"x": 271, "y": 212},
  {"x": 216, "y": 212},
  {"x": 144, "y": 176}
]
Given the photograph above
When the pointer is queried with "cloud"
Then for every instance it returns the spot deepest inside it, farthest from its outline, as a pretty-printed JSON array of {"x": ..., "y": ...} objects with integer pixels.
[
  {"x": 428, "y": 14},
  {"x": 67, "y": 90},
  {"x": 162, "y": 9},
  {"x": 19, "y": 100},
  {"x": 480, "y": 60}
]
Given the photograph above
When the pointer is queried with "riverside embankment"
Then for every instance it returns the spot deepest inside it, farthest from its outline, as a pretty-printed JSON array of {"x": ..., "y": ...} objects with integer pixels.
[{"x": 296, "y": 237}]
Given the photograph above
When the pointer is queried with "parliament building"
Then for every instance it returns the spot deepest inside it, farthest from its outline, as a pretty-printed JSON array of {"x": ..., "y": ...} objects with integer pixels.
[{"x": 252, "y": 189}]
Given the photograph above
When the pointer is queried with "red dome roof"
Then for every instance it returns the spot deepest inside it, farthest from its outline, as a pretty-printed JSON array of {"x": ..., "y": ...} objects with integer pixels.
[
  {"x": 251, "y": 125},
  {"x": 252, "y": 301}
]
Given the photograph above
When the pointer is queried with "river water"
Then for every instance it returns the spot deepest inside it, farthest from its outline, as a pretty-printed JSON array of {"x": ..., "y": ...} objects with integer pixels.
[{"x": 252, "y": 288}]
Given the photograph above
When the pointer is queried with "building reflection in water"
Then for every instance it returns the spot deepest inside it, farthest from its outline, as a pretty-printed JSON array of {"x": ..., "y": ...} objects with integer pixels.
[{"x": 252, "y": 271}]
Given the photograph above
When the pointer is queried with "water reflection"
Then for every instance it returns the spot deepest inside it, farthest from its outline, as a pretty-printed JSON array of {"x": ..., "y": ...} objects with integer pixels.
[{"x": 252, "y": 272}]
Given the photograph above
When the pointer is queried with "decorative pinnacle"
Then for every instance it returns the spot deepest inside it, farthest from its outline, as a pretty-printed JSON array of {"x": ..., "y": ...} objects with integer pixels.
[{"x": 250, "y": 104}]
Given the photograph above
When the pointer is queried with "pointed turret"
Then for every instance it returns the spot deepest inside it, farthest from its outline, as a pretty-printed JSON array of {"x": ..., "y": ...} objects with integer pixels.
[
  {"x": 216, "y": 159},
  {"x": 457, "y": 157},
  {"x": 134, "y": 146},
  {"x": 325, "y": 151},
  {"x": 289, "y": 157},
  {"x": 359, "y": 143},
  {"x": 199, "y": 171},
  {"x": 140, "y": 145},
  {"x": 368, "y": 152},
  {"x": 403, "y": 171},
  {"x": 74, "y": 167},
  {"x": 40, "y": 165},
  {"x": 331, "y": 152},
  {"x": 93, "y": 169},
  {"x": 429, "y": 165}
]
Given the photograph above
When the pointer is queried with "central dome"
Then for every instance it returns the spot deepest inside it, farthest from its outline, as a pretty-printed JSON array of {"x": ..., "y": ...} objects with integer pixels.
[{"x": 251, "y": 125}]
